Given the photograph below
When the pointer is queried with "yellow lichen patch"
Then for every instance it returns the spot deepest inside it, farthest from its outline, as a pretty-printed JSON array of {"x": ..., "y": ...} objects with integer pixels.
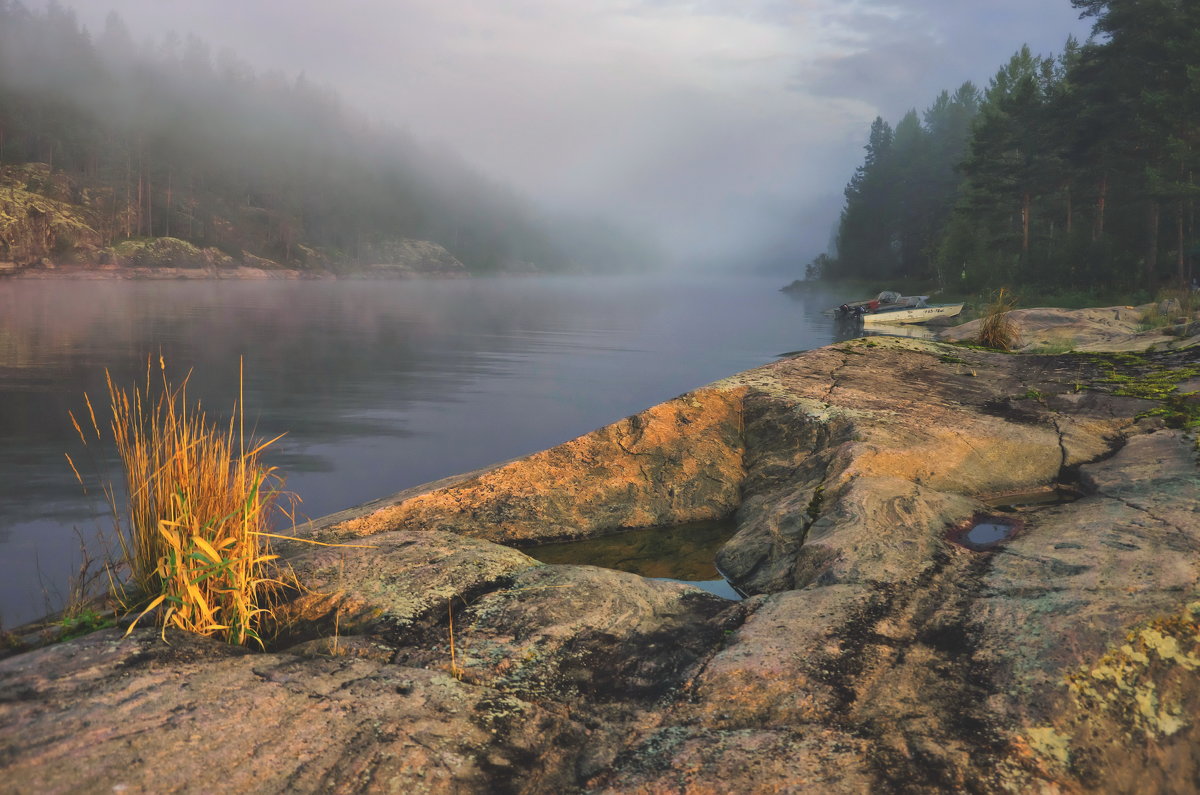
[
  {"x": 1167, "y": 647},
  {"x": 1143, "y": 682},
  {"x": 1046, "y": 741},
  {"x": 1135, "y": 698}
]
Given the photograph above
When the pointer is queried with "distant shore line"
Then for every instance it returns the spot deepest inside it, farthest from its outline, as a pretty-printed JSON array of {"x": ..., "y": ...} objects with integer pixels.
[{"x": 239, "y": 273}]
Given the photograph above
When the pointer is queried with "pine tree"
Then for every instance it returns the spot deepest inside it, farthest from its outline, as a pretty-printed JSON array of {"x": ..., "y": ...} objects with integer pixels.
[
  {"x": 864, "y": 237},
  {"x": 1137, "y": 80}
]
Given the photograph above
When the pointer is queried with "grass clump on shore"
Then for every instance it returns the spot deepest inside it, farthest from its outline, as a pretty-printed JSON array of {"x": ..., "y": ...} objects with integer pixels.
[
  {"x": 997, "y": 330},
  {"x": 200, "y": 505}
]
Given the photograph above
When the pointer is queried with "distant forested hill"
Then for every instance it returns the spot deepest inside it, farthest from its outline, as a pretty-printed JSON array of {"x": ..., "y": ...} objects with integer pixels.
[
  {"x": 1081, "y": 170},
  {"x": 104, "y": 140}
]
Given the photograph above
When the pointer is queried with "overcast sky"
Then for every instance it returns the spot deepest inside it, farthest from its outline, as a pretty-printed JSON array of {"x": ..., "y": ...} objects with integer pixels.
[{"x": 724, "y": 125}]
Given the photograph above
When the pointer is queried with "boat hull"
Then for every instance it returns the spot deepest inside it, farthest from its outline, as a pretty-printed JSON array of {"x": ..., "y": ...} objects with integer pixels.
[{"x": 912, "y": 314}]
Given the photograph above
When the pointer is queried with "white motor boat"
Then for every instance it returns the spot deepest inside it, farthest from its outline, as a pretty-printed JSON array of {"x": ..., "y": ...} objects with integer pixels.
[{"x": 891, "y": 307}]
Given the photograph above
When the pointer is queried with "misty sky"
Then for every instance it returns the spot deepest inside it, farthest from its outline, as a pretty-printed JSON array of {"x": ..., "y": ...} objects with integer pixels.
[{"x": 726, "y": 126}]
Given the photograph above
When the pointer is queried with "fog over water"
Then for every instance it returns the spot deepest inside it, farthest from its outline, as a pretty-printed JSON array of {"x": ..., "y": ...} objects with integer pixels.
[{"x": 725, "y": 128}]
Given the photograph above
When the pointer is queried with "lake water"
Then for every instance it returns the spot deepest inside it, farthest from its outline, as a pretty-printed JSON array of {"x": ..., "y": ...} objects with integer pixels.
[{"x": 378, "y": 385}]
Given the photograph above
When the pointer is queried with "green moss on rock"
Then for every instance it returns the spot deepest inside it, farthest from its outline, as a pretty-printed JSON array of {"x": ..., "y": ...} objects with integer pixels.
[{"x": 165, "y": 252}]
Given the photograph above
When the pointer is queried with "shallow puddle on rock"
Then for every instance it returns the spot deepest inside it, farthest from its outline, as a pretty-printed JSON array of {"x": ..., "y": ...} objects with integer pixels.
[
  {"x": 986, "y": 532},
  {"x": 681, "y": 553}
]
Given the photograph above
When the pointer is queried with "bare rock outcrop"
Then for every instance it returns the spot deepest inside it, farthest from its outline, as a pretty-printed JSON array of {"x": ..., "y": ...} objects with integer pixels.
[
  {"x": 1108, "y": 329},
  {"x": 878, "y": 650},
  {"x": 101, "y": 714}
]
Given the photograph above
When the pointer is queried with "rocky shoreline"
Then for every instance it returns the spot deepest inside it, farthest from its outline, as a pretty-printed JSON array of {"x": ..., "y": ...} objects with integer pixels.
[
  {"x": 876, "y": 650},
  {"x": 168, "y": 258},
  {"x": 115, "y": 273},
  {"x": 234, "y": 273}
]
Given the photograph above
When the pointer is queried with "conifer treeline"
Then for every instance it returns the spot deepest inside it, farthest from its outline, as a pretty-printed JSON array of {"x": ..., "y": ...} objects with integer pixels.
[
  {"x": 1080, "y": 170},
  {"x": 164, "y": 139}
]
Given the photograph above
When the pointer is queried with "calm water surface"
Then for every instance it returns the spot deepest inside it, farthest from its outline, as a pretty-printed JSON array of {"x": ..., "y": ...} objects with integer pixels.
[{"x": 378, "y": 385}]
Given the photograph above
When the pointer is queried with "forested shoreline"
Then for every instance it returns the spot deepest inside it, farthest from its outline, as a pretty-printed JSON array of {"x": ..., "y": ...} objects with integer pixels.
[
  {"x": 1078, "y": 170},
  {"x": 105, "y": 140}
]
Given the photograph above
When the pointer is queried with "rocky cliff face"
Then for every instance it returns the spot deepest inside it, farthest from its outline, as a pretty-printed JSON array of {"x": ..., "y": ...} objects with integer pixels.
[
  {"x": 40, "y": 217},
  {"x": 878, "y": 651}
]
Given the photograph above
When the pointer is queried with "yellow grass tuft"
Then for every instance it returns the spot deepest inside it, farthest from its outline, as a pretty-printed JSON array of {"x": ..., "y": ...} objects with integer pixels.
[
  {"x": 200, "y": 503},
  {"x": 997, "y": 329}
]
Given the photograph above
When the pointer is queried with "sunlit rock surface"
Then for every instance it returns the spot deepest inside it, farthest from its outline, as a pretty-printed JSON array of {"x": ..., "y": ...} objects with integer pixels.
[
  {"x": 679, "y": 461},
  {"x": 874, "y": 653}
]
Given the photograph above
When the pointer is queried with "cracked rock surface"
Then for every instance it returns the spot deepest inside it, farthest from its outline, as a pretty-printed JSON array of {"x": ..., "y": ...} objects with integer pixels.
[{"x": 874, "y": 653}]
